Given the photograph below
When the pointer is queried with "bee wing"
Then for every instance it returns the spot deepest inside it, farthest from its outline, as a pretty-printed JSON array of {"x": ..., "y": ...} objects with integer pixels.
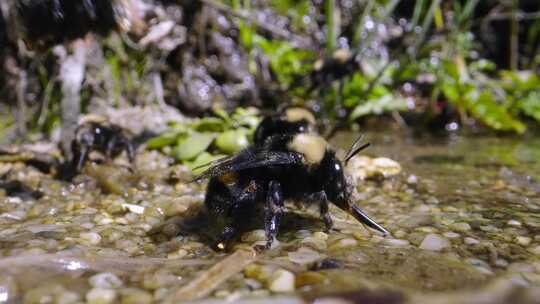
[{"x": 255, "y": 159}]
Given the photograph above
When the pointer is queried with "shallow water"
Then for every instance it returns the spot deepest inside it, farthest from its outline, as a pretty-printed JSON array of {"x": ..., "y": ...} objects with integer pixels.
[{"x": 464, "y": 217}]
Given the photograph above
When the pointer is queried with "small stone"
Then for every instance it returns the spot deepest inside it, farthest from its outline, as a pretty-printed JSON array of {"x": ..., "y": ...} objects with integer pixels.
[
  {"x": 310, "y": 278},
  {"x": 8, "y": 289},
  {"x": 105, "y": 280},
  {"x": 101, "y": 296},
  {"x": 304, "y": 256},
  {"x": 320, "y": 235},
  {"x": 315, "y": 243},
  {"x": 254, "y": 236},
  {"x": 451, "y": 235},
  {"x": 412, "y": 179},
  {"x": 136, "y": 296},
  {"x": 461, "y": 227},
  {"x": 502, "y": 263},
  {"x": 535, "y": 250},
  {"x": 523, "y": 240},
  {"x": 471, "y": 241},
  {"x": 161, "y": 278},
  {"x": 281, "y": 281},
  {"x": 396, "y": 242},
  {"x": 180, "y": 253},
  {"x": 91, "y": 238},
  {"x": 68, "y": 297},
  {"x": 434, "y": 242},
  {"x": 343, "y": 243},
  {"x": 514, "y": 223}
]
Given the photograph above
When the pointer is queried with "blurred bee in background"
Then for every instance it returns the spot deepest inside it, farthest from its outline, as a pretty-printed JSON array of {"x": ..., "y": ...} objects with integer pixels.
[
  {"x": 301, "y": 167},
  {"x": 97, "y": 134}
]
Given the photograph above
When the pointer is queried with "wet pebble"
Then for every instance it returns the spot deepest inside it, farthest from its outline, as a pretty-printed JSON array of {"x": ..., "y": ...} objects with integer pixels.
[
  {"x": 523, "y": 240},
  {"x": 514, "y": 223},
  {"x": 309, "y": 278},
  {"x": 105, "y": 280},
  {"x": 434, "y": 242},
  {"x": 314, "y": 243},
  {"x": 304, "y": 256},
  {"x": 101, "y": 296},
  {"x": 461, "y": 227},
  {"x": 535, "y": 250},
  {"x": 471, "y": 241},
  {"x": 92, "y": 238},
  {"x": 8, "y": 289},
  {"x": 451, "y": 235},
  {"x": 343, "y": 243},
  {"x": 281, "y": 281},
  {"x": 396, "y": 242},
  {"x": 136, "y": 296}
]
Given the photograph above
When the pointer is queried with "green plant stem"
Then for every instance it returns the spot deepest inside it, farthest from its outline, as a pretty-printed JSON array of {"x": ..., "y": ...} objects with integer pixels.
[
  {"x": 425, "y": 25},
  {"x": 418, "y": 8},
  {"x": 332, "y": 25},
  {"x": 360, "y": 25}
]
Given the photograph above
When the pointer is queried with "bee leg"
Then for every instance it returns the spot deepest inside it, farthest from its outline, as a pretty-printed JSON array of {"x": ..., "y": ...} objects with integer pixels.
[
  {"x": 109, "y": 150},
  {"x": 321, "y": 198},
  {"x": 272, "y": 212},
  {"x": 130, "y": 151},
  {"x": 80, "y": 155},
  {"x": 224, "y": 240}
]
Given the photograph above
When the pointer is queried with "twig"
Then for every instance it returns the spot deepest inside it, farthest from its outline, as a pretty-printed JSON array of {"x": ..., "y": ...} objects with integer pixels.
[
  {"x": 95, "y": 263},
  {"x": 213, "y": 277},
  {"x": 277, "y": 31}
]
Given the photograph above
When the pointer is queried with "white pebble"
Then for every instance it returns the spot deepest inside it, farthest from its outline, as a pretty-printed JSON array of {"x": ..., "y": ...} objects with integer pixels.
[
  {"x": 523, "y": 240},
  {"x": 434, "y": 242},
  {"x": 304, "y": 256},
  {"x": 281, "y": 281},
  {"x": 91, "y": 238},
  {"x": 514, "y": 223},
  {"x": 462, "y": 227},
  {"x": 412, "y": 179},
  {"x": 134, "y": 208},
  {"x": 396, "y": 242},
  {"x": 105, "y": 280},
  {"x": 100, "y": 296},
  {"x": 471, "y": 241},
  {"x": 451, "y": 235},
  {"x": 535, "y": 250}
]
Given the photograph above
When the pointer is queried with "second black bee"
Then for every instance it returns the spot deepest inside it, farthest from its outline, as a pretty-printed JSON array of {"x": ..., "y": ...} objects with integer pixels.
[
  {"x": 99, "y": 135},
  {"x": 291, "y": 120}
]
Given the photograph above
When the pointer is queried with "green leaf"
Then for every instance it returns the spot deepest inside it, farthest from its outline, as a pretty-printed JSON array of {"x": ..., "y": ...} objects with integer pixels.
[
  {"x": 530, "y": 106},
  {"x": 165, "y": 139},
  {"x": 386, "y": 103},
  {"x": 209, "y": 124},
  {"x": 232, "y": 141},
  {"x": 484, "y": 107},
  {"x": 193, "y": 145}
]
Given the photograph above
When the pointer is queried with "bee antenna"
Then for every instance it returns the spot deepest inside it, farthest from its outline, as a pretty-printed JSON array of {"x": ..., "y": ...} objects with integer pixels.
[{"x": 355, "y": 148}]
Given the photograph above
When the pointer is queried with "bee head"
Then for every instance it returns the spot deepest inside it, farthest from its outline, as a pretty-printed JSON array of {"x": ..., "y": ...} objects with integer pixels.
[{"x": 335, "y": 184}]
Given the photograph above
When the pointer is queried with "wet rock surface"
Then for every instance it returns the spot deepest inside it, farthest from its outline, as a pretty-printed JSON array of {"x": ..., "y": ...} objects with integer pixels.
[{"x": 461, "y": 232}]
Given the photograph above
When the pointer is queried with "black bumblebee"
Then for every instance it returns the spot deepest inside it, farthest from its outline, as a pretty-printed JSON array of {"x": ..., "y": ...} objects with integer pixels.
[
  {"x": 300, "y": 167},
  {"x": 99, "y": 135},
  {"x": 291, "y": 120}
]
